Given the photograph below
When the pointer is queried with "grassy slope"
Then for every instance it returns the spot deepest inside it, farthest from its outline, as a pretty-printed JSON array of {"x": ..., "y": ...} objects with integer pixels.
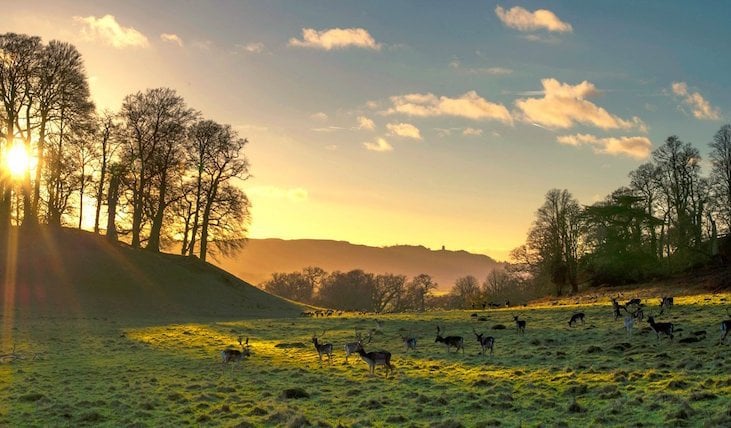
[{"x": 69, "y": 273}]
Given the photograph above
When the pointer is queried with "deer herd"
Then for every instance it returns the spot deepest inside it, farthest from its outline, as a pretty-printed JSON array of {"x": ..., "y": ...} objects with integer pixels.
[{"x": 633, "y": 313}]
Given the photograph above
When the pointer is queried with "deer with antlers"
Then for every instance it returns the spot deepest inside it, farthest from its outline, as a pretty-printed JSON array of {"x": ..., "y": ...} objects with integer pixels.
[
  {"x": 519, "y": 324},
  {"x": 484, "y": 341},
  {"x": 352, "y": 347},
  {"x": 375, "y": 358},
  {"x": 234, "y": 355},
  {"x": 456, "y": 342},
  {"x": 323, "y": 348}
]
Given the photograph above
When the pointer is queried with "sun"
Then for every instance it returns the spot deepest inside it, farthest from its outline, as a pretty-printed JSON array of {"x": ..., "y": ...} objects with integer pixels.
[{"x": 17, "y": 160}]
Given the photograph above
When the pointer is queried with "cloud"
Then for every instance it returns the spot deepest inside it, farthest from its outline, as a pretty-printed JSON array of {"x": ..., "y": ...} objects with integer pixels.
[
  {"x": 295, "y": 194},
  {"x": 108, "y": 30},
  {"x": 472, "y": 132},
  {"x": 366, "y": 123},
  {"x": 335, "y": 38},
  {"x": 700, "y": 107},
  {"x": 470, "y": 105},
  {"x": 564, "y": 106},
  {"x": 381, "y": 145},
  {"x": 252, "y": 47},
  {"x": 404, "y": 130},
  {"x": 171, "y": 38},
  {"x": 634, "y": 147},
  {"x": 492, "y": 71},
  {"x": 524, "y": 20},
  {"x": 319, "y": 116}
]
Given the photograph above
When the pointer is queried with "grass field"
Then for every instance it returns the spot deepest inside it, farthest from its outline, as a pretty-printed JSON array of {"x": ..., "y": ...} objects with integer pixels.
[{"x": 102, "y": 372}]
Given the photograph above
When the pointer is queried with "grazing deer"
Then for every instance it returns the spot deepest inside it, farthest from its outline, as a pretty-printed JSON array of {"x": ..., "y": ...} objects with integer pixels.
[
  {"x": 323, "y": 348},
  {"x": 456, "y": 342},
  {"x": 634, "y": 301},
  {"x": 725, "y": 327},
  {"x": 665, "y": 328},
  {"x": 352, "y": 347},
  {"x": 484, "y": 341},
  {"x": 575, "y": 318},
  {"x": 519, "y": 324},
  {"x": 234, "y": 355},
  {"x": 376, "y": 358},
  {"x": 409, "y": 342}
]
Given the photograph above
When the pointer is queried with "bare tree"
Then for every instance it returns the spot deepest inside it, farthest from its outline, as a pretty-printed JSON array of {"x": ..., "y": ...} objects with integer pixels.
[{"x": 720, "y": 176}]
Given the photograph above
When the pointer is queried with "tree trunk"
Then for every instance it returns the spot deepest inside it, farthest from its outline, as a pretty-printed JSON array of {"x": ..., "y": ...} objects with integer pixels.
[
  {"x": 100, "y": 191},
  {"x": 112, "y": 198},
  {"x": 153, "y": 244}
]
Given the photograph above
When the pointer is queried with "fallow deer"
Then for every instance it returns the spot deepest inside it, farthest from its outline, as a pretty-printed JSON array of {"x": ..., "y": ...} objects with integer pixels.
[
  {"x": 579, "y": 316},
  {"x": 376, "y": 358},
  {"x": 323, "y": 348},
  {"x": 456, "y": 342},
  {"x": 725, "y": 327},
  {"x": 519, "y": 324},
  {"x": 665, "y": 328},
  {"x": 484, "y": 341},
  {"x": 234, "y": 355},
  {"x": 352, "y": 347},
  {"x": 409, "y": 342}
]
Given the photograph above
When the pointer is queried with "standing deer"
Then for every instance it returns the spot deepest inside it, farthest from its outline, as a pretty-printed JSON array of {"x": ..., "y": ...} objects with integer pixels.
[
  {"x": 323, "y": 348},
  {"x": 234, "y": 355},
  {"x": 665, "y": 328},
  {"x": 617, "y": 307},
  {"x": 519, "y": 324},
  {"x": 456, "y": 342},
  {"x": 376, "y": 358},
  {"x": 484, "y": 341},
  {"x": 409, "y": 342},
  {"x": 352, "y": 347},
  {"x": 629, "y": 322}
]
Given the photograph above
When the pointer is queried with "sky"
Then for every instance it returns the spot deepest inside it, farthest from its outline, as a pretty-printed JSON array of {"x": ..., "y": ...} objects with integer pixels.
[{"x": 420, "y": 122}]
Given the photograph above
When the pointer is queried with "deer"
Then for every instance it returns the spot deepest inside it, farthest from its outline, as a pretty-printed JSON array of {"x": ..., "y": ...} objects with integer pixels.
[
  {"x": 665, "y": 328},
  {"x": 634, "y": 301},
  {"x": 323, "y": 348},
  {"x": 629, "y": 322},
  {"x": 665, "y": 303},
  {"x": 617, "y": 307},
  {"x": 375, "y": 358},
  {"x": 725, "y": 327},
  {"x": 484, "y": 341},
  {"x": 352, "y": 347},
  {"x": 519, "y": 324},
  {"x": 234, "y": 355},
  {"x": 409, "y": 342},
  {"x": 456, "y": 342},
  {"x": 575, "y": 318}
]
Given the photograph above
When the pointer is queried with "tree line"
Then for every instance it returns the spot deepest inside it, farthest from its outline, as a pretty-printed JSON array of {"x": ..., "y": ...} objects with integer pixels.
[
  {"x": 667, "y": 219},
  {"x": 160, "y": 170}
]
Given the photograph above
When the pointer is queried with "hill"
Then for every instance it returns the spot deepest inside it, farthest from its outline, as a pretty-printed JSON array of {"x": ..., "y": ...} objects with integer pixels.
[
  {"x": 262, "y": 257},
  {"x": 72, "y": 273}
]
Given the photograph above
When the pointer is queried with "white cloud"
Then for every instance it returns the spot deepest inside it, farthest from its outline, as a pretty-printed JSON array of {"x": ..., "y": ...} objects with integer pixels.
[
  {"x": 109, "y": 31},
  {"x": 493, "y": 71},
  {"x": 470, "y": 105},
  {"x": 564, "y": 106},
  {"x": 404, "y": 130},
  {"x": 472, "y": 132},
  {"x": 634, "y": 147},
  {"x": 295, "y": 194},
  {"x": 366, "y": 123},
  {"x": 381, "y": 145},
  {"x": 252, "y": 47},
  {"x": 319, "y": 116},
  {"x": 171, "y": 38},
  {"x": 524, "y": 20},
  {"x": 700, "y": 107},
  {"x": 335, "y": 38}
]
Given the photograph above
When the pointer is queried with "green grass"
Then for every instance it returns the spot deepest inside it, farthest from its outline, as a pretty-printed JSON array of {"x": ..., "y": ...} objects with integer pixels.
[{"x": 97, "y": 371}]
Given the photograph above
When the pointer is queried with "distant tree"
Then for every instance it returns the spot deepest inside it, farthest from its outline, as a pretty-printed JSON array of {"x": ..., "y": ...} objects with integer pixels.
[
  {"x": 388, "y": 292},
  {"x": 294, "y": 286},
  {"x": 554, "y": 238},
  {"x": 419, "y": 288},
  {"x": 644, "y": 182},
  {"x": 352, "y": 291},
  {"x": 466, "y": 291},
  {"x": 720, "y": 177},
  {"x": 107, "y": 139}
]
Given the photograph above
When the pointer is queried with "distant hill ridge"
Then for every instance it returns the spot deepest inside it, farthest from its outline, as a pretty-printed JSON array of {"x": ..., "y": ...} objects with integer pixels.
[
  {"x": 262, "y": 257},
  {"x": 70, "y": 273}
]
